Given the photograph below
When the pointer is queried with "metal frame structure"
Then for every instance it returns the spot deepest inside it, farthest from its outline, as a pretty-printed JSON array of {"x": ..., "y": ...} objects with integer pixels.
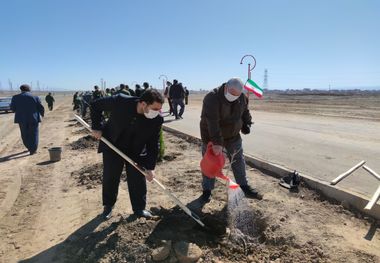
[{"x": 375, "y": 196}]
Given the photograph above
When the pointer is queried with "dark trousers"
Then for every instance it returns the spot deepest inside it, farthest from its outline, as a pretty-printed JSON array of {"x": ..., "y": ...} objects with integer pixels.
[
  {"x": 84, "y": 109},
  {"x": 76, "y": 106},
  {"x": 50, "y": 106},
  {"x": 170, "y": 106},
  {"x": 113, "y": 166},
  {"x": 176, "y": 103},
  {"x": 29, "y": 135}
]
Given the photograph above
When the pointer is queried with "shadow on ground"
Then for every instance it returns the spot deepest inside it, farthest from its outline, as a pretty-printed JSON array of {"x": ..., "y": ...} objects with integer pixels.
[
  {"x": 58, "y": 253},
  {"x": 14, "y": 156},
  {"x": 45, "y": 163}
]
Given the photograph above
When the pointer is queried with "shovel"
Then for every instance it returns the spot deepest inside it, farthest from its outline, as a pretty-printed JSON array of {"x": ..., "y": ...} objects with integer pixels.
[{"x": 142, "y": 171}]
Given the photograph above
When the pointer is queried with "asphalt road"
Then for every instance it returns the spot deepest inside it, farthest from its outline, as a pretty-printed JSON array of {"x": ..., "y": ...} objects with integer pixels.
[{"x": 322, "y": 147}]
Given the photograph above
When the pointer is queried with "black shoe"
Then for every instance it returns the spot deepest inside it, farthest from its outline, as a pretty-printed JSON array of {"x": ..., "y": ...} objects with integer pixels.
[
  {"x": 206, "y": 196},
  {"x": 251, "y": 192},
  {"x": 180, "y": 117},
  {"x": 107, "y": 212},
  {"x": 144, "y": 213},
  {"x": 32, "y": 152}
]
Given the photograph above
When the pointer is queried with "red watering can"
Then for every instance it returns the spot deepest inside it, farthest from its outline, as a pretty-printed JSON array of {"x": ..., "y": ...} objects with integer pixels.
[{"x": 212, "y": 166}]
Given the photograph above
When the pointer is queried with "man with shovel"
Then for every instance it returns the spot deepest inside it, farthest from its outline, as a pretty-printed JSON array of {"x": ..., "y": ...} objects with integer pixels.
[
  {"x": 224, "y": 115},
  {"x": 134, "y": 128}
]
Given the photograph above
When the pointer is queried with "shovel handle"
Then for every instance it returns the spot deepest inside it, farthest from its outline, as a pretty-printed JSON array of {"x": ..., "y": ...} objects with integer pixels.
[
  {"x": 129, "y": 160},
  {"x": 113, "y": 147}
]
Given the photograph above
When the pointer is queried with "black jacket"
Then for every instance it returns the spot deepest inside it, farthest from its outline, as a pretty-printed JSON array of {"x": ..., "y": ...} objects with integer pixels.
[
  {"x": 222, "y": 120},
  {"x": 96, "y": 94},
  {"x": 49, "y": 99},
  {"x": 142, "y": 147},
  {"x": 139, "y": 92},
  {"x": 176, "y": 91}
]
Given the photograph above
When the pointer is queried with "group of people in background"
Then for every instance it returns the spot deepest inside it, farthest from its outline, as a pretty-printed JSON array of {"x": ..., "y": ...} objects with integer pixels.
[
  {"x": 82, "y": 101},
  {"x": 177, "y": 95}
]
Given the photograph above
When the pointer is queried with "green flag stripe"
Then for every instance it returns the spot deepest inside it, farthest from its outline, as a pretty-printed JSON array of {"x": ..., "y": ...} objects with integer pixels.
[{"x": 252, "y": 83}]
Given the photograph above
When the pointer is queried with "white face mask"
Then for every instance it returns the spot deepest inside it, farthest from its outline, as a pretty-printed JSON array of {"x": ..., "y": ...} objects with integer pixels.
[
  {"x": 231, "y": 97},
  {"x": 151, "y": 114}
]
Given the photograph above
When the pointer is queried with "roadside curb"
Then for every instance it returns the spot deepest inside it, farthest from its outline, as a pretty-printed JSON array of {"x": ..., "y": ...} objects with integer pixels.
[{"x": 347, "y": 198}]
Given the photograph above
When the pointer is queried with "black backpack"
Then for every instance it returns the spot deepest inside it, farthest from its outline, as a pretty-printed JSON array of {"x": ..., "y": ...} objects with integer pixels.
[{"x": 291, "y": 181}]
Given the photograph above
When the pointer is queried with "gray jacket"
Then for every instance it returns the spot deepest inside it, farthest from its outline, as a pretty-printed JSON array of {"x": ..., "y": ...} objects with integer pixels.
[{"x": 221, "y": 120}]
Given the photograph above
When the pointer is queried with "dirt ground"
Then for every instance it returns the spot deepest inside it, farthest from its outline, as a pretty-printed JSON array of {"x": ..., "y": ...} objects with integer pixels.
[
  {"x": 50, "y": 211},
  {"x": 361, "y": 106},
  {"x": 358, "y": 106}
]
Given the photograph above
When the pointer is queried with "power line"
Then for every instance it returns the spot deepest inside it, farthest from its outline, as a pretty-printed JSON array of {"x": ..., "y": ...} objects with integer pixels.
[
  {"x": 265, "y": 84},
  {"x": 10, "y": 85}
]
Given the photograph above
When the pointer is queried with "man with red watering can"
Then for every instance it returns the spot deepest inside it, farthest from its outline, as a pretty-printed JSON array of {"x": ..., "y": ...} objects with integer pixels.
[{"x": 224, "y": 115}]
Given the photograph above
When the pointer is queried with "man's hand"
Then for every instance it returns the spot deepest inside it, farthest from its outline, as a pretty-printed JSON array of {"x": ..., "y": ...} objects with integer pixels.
[
  {"x": 150, "y": 174},
  {"x": 97, "y": 134},
  {"x": 217, "y": 149},
  {"x": 246, "y": 129}
]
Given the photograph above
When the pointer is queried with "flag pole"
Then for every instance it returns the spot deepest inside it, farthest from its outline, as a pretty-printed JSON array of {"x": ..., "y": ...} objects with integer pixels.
[
  {"x": 249, "y": 64},
  {"x": 249, "y": 68}
]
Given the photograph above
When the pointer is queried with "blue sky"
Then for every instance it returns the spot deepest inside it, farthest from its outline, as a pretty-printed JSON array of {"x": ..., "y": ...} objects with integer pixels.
[{"x": 72, "y": 44}]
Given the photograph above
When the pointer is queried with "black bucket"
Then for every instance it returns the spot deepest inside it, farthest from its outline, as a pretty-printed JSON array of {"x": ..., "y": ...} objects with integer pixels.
[{"x": 55, "y": 154}]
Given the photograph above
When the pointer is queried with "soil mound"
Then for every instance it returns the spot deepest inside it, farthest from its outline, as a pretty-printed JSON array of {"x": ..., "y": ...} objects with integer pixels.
[
  {"x": 134, "y": 239},
  {"x": 80, "y": 131},
  {"x": 86, "y": 142},
  {"x": 91, "y": 176}
]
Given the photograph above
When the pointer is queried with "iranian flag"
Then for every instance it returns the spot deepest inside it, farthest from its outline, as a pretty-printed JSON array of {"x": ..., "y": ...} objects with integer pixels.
[{"x": 250, "y": 85}]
